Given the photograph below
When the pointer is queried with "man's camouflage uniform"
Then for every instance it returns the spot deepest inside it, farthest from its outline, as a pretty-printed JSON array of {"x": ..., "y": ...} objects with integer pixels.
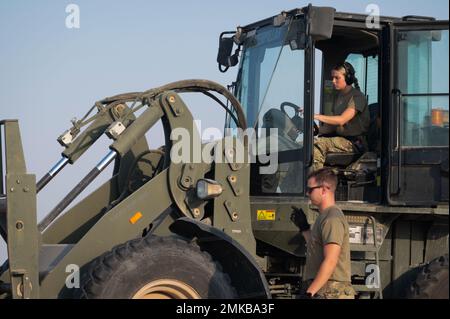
[
  {"x": 330, "y": 227},
  {"x": 333, "y": 290}
]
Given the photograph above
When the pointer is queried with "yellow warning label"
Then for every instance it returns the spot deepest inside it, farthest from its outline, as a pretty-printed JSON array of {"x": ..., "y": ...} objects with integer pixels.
[{"x": 264, "y": 214}]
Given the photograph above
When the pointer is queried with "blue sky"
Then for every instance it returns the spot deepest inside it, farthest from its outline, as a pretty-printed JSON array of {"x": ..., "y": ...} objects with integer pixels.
[{"x": 49, "y": 74}]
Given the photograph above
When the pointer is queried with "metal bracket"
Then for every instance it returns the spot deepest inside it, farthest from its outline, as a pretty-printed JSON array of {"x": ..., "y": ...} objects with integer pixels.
[
  {"x": 194, "y": 205},
  {"x": 23, "y": 285},
  {"x": 187, "y": 179},
  {"x": 176, "y": 109},
  {"x": 23, "y": 247},
  {"x": 21, "y": 228},
  {"x": 234, "y": 215},
  {"x": 230, "y": 155},
  {"x": 232, "y": 180}
]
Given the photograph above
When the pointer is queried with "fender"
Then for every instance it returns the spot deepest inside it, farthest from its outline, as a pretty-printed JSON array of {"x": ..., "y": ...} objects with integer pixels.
[{"x": 245, "y": 274}]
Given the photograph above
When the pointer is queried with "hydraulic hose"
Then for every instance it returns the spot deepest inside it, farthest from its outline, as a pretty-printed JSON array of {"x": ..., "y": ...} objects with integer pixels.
[{"x": 195, "y": 85}]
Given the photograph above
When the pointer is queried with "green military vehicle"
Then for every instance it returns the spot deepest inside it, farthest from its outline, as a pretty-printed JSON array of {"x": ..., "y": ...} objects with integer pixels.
[{"x": 220, "y": 227}]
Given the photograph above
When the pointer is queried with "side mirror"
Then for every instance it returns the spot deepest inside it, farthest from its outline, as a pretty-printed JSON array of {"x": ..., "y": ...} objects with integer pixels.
[
  {"x": 321, "y": 22},
  {"x": 225, "y": 58}
]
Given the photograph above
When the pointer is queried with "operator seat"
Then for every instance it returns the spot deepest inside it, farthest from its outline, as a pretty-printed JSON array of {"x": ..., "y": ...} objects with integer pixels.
[
  {"x": 357, "y": 172},
  {"x": 343, "y": 160}
]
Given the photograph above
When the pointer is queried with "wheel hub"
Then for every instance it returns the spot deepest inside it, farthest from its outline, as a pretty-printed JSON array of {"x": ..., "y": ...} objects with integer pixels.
[{"x": 166, "y": 289}]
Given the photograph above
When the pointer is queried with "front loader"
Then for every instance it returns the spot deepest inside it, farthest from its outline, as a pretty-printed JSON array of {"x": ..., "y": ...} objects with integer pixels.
[
  {"x": 213, "y": 220},
  {"x": 157, "y": 228}
]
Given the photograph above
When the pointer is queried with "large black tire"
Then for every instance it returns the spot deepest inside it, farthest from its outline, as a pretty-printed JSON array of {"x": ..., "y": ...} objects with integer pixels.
[
  {"x": 432, "y": 281},
  {"x": 127, "y": 268}
]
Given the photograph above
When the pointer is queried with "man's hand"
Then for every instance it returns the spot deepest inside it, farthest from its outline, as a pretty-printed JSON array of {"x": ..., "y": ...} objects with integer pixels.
[{"x": 298, "y": 217}]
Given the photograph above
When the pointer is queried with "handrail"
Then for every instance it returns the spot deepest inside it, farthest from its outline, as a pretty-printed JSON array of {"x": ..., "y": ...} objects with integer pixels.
[{"x": 398, "y": 137}]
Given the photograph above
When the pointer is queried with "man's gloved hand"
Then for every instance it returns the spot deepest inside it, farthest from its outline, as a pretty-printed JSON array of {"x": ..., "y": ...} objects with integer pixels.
[{"x": 298, "y": 217}]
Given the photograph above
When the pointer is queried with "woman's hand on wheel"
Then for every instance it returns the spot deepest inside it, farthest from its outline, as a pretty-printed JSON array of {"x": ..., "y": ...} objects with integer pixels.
[{"x": 316, "y": 129}]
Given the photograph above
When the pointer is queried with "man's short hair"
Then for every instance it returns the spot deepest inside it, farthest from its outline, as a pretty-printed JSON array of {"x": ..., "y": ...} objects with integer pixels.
[{"x": 325, "y": 176}]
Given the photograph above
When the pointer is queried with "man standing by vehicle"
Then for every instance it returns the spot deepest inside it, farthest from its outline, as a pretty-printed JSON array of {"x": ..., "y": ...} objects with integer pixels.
[{"x": 327, "y": 273}]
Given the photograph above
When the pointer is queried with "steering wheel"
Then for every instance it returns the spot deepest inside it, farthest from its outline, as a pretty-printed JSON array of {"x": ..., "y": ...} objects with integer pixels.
[
  {"x": 297, "y": 119},
  {"x": 297, "y": 109}
]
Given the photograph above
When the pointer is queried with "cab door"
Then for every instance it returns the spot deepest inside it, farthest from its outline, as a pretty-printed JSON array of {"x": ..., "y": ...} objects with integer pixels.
[{"x": 419, "y": 122}]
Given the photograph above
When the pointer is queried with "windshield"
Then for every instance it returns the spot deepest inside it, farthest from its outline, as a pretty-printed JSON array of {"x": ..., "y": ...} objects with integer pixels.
[
  {"x": 270, "y": 73},
  {"x": 270, "y": 89}
]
